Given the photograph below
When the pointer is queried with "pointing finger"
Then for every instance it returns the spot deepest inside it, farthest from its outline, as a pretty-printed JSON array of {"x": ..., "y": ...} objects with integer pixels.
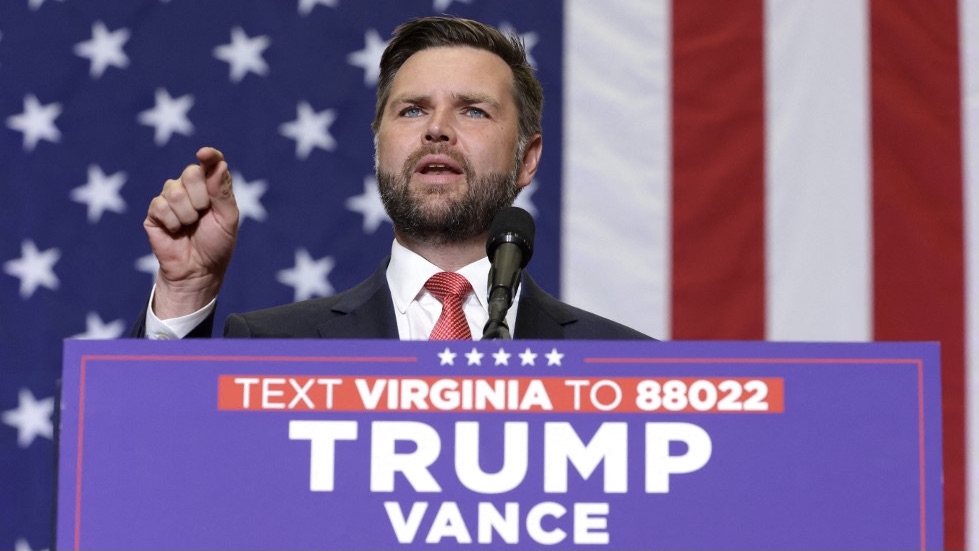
[
  {"x": 209, "y": 158},
  {"x": 218, "y": 181}
]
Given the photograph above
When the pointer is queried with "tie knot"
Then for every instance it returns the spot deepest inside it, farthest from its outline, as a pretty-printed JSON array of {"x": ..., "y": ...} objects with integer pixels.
[
  {"x": 450, "y": 288},
  {"x": 448, "y": 284}
]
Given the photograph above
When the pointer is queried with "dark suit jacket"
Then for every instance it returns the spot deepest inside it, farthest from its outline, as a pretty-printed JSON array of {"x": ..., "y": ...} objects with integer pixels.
[{"x": 367, "y": 312}]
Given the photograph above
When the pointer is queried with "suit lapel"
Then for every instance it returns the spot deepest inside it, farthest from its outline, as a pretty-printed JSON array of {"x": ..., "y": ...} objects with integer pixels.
[
  {"x": 539, "y": 315},
  {"x": 365, "y": 312}
]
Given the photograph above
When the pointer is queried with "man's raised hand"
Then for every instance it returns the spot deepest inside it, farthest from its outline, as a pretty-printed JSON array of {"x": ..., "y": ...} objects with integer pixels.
[{"x": 192, "y": 227}]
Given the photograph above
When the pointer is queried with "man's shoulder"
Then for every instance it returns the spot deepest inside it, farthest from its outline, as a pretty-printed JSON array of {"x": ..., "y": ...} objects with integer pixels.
[
  {"x": 541, "y": 315},
  {"x": 295, "y": 320},
  {"x": 599, "y": 327},
  {"x": 313, "y": 318}
]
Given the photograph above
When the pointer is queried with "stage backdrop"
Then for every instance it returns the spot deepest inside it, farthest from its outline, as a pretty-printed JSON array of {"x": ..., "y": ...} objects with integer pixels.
[{"x": 761, "y": 169}]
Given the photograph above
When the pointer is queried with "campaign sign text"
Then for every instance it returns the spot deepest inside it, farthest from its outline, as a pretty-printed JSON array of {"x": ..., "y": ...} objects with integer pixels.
[{"x": 271, "y": 444}]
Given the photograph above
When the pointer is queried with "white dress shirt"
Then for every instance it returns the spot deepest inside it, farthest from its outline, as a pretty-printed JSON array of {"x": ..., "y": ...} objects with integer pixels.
[
  {"x": 174, "y": 328},
  {"x": 415, "y": 309}
]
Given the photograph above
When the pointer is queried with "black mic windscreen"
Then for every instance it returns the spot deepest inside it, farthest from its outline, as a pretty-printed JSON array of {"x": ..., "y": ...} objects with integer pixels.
[{"x": 512, "y": 225}]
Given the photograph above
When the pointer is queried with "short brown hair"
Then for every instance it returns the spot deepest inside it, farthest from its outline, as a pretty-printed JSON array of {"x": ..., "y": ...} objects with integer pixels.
[{"x": 433, "y": 32}]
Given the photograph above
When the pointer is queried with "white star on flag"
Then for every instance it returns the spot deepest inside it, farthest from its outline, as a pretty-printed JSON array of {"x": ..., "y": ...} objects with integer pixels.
[
  {"x": 524, "y": 200},
  {"x": 36, "y": 4},
  {"x": 148, "y": 264},
  {"x": 369, "y": 205},
  {"x": 306, "y": 6},
  {"x": 529, "y": 40},
  {"x": 168, "y": 116},
  {"x": 32, "y": 418},
  {"x": 554, "y": 357},
  {"x": 308, "y": 276},
  {"x": 474, "y": 357},
  {"x": 104, "y": 49},
  {"x": 244, "y": 54},
  {"x": 34, "y": 268},
  {"x": 36, "y": 122},
  {"x": 441, "y": 5},
  {"x": 527, "y": 357},
  {"x": 369, "y": 58},
  {"x": 447, "y": 357},
  {"x": 501, "y": 357},
  {"x": 22, "y": 545},
  {"x": 96, "y": 329},
  {"x": 310, "y": 129},
  {"x": 248, "y": 196},
  {"x": 100, "y": 193}
]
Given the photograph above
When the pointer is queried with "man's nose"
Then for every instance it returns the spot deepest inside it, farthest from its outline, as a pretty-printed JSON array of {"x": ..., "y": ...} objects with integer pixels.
[{"x": 440, "y": 128}]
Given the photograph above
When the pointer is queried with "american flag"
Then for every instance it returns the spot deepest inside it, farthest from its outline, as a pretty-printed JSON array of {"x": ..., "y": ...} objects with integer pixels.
[{"x": 751, "y": 169}]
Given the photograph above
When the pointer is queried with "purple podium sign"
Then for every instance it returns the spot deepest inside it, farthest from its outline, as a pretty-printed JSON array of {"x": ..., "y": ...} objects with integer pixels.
[{"x": 290, "y": 444}]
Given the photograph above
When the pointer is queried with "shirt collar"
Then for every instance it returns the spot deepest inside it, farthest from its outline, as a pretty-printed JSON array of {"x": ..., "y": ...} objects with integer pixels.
[{"x": 408, "y": 271}]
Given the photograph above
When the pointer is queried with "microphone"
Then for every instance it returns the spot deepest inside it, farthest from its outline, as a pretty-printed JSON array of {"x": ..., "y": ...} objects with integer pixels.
[{"x": 509, "y": 248}]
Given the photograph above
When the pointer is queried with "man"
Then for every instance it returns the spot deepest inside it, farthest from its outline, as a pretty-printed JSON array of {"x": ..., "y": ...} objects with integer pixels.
[{"x": 457, "y": 134}]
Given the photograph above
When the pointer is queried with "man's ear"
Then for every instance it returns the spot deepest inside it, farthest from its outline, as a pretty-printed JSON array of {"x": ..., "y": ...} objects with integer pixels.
[{"x": 531, "y": 160}]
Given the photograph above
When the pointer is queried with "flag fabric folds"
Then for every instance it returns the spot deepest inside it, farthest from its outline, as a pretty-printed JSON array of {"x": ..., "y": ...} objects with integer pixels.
[{"x": 788, "y": 170}]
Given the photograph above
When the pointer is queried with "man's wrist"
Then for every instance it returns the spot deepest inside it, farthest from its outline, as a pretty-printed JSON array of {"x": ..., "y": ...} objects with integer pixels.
[
  {"x": 160, "y": 327},
  {"x": 169, "y": 301}
]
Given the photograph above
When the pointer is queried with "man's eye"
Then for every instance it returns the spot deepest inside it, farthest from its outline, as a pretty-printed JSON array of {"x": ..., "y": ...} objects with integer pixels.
[
  {"x": 411, "y": 111},
  {"x": 475, "y": 112}
]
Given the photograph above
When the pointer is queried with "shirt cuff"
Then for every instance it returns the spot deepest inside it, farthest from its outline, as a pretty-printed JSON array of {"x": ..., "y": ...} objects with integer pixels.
[{"x": 174, "y": 328}]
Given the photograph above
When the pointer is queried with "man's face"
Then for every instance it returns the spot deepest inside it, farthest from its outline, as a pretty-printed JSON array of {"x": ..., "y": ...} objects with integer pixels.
[{"x": 447, "y": 146}]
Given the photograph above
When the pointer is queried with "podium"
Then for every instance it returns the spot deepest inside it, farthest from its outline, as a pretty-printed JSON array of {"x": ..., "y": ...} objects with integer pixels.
[{"x": 365, "y": 444}]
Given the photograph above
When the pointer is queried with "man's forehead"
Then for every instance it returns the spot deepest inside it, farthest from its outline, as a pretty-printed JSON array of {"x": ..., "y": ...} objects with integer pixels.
[{"x": 474, "y": 63}]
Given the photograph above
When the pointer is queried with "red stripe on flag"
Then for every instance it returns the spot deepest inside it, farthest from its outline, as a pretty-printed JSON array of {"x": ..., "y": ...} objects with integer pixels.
[
  {"x": 718, "y": 170},
  {"x": 919, "y": 291}
]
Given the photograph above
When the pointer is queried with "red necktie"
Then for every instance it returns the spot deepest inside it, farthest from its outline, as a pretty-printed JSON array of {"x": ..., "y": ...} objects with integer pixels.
[{"x": 451, "y": 289}]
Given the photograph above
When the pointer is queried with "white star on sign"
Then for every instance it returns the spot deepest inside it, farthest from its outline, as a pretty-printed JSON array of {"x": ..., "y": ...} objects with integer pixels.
[
  {"x": 36, "y": 122},
  {"x": 554, "y": 357},
  {"x": 527, "y": 357},
  {"x": 308, "y": 276},
  {"x": 168, "y": 116},
  {"x": 475, "y": 357},
  {"x": 244, "y": 54},
  {"x": 32, "y": 418},
  {"x": 104, "y": 49},
  {"x": 369, "y": 59},
  {"x": 310, "y": 129},
  {"x": 306, "y": 6},
  {"x": 369, "y": 205},
  {"x": 441, "y": 5},
  {"x": 100, "y": 193},
  {"x": 34, "y": 268},
  {"x": 96, "y": 329},
  {"x": 529, "y": 40},
  {"x": 502, "y": 357},
  {"x": 248, "y": 196},
  {"x": 447, "y": 357}
]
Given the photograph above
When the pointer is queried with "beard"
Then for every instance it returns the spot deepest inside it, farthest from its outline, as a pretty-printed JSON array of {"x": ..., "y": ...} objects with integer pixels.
[{"x": 431, "y": 214}]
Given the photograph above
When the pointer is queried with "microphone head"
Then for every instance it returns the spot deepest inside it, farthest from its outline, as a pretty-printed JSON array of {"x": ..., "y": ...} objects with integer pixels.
[{"x": 512, "y": 225}]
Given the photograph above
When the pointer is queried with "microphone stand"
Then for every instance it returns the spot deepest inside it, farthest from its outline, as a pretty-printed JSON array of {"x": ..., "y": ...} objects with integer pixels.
[{"x": 496, "y": 326}]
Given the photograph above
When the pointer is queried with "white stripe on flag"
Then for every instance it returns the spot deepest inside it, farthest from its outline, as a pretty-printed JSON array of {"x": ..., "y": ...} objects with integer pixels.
[
  {"x": 969, "y": 62},
  {"x": 616, "y": 238},
  {"x": 818, "y": 170}
]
